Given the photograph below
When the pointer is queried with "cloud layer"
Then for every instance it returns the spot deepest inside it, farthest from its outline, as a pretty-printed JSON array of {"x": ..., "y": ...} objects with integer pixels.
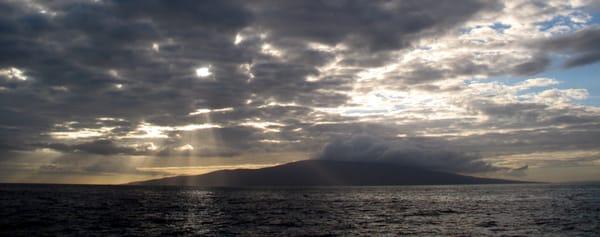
[
  {"x": 421, "y": 153},
  {"x": 230, "y": 79}
]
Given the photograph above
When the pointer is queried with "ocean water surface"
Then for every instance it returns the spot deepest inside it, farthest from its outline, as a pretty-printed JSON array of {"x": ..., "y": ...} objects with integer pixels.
[{"x": 479, "y": 210}]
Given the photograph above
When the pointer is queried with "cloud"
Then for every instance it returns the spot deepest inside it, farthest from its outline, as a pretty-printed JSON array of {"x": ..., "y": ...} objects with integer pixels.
[
  {"x": 117, "y": 79},
  {"x": 428, "y": 154},
  {"x": 366, "y": 25},
  {"x": 185, "y": 151},
  {"x": 92, "y": 165},
  {"x": 100, "y": 147},
  {"x": 537, "y": 64},
  {"x": 518, "y": 172},
  {"x": 581, "y": 46}
]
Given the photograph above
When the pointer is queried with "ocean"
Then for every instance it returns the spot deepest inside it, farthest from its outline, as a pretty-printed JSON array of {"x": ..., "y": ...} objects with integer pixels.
[{"x": 453, "y": 210}]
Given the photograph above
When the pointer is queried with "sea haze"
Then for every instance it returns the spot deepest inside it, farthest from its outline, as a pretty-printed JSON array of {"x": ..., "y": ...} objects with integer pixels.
[{"x": 506, "y": 209}]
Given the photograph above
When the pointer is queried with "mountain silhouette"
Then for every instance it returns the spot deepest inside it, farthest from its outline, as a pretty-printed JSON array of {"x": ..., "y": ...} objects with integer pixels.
[{"x": 324, "y": 173}]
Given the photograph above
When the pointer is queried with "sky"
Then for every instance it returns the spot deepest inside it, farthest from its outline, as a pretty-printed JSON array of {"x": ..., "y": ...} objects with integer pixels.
[{"x": 108, "y": 92}]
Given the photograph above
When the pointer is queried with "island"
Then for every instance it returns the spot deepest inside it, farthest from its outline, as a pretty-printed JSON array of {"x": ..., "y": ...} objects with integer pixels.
[{"x": 324, "y": 173}]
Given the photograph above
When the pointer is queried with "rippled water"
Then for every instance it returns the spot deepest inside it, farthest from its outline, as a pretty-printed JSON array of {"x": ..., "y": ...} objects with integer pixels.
[{"x": 404, "y": 210}]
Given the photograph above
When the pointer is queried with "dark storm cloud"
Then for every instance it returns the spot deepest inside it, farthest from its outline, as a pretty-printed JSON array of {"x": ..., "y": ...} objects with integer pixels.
[
  {"x": 582, "y": 46},
  {"x": 536, "y": 64},
  {"x": 76, "y": 53},
  {"x": 584, "y": 59},
  {"x": 68, "y": 57},
  {"x": 219, "y": 15},
  {"x": 372, "y": 25},
  {"x": 100, "y": 147},
  {"x": 521, "y": 113},
  {"x": 429, "y": 154}
]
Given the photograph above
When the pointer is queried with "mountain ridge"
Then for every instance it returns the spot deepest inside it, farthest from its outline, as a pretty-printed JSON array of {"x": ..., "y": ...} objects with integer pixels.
[{"x": 323, "y": 173}]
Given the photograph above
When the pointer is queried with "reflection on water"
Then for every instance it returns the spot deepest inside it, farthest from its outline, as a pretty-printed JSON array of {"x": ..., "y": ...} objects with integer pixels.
[{"x": 417, "y": 210}]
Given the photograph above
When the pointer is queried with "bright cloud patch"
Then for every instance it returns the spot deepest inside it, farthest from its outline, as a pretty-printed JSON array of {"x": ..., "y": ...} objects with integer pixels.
[{"x": 203, "y": 72}]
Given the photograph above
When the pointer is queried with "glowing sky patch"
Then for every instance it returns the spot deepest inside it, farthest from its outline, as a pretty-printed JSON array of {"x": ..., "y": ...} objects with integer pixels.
[
  {"x": 13, "y": 74},
  {"x": 203, "y": 72},
  {"x": 206, "y": 111},
  {"x": 186, "y": 147},
  {"x": 147, "y": 130}
]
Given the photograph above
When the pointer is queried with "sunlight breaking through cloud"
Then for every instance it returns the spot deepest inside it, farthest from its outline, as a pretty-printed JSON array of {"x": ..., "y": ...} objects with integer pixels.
[{"x": 203, "y": 72}]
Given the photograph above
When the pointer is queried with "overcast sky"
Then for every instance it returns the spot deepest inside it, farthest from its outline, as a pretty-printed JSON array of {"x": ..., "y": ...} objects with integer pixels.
[{"x": 115, "y": 91}]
